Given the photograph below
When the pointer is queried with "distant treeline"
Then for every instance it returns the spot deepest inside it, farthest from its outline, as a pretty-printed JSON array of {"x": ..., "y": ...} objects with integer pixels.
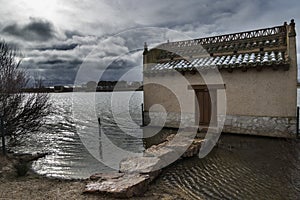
[{"x": 91, "y": 86}]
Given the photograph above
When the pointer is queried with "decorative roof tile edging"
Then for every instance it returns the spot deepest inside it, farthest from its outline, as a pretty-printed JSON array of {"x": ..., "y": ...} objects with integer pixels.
[
  {"x": 267, "y": 47},
  {"x": 238, "y": 61},
  {"x": 274, "y": 37}
]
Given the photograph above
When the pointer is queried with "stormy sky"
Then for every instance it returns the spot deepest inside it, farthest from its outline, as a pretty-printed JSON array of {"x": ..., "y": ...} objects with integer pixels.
[{"x": 66, "y": 40}]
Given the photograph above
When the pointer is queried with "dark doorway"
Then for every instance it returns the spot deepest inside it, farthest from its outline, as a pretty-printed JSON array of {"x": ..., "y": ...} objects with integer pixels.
[
  {"x": 206, "y": 103},
  {"x": 206, "y": 106}
]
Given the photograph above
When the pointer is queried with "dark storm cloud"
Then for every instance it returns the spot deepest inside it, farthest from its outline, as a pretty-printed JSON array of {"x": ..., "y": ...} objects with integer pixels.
[
  {"x": 59, "y": 47},
  {"x": 64, "y": 63},
  {"x": 54, "y": 72},
  {"x": 53, "y": 64},
  {"x": 35, "y": 30}
]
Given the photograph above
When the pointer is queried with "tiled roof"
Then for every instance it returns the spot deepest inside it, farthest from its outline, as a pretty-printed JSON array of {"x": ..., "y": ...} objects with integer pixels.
[
  {"x": 244, "y": 50},
  {"x": 243, "y": 41},
  {"x": 246, "y": 60}
]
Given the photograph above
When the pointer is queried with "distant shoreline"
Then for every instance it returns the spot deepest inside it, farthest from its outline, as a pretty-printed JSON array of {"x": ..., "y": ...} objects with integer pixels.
[{"x": 66, "y": 90}]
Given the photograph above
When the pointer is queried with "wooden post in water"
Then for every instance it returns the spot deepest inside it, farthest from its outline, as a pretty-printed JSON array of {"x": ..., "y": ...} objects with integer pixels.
[
  {"x": 99, "y": 121},
  {"x": 2, "y": 135},
  {"x": 143, "y": 119},
  {"x": 100, "y": 139},
  {"x": 297, "y": 123}
]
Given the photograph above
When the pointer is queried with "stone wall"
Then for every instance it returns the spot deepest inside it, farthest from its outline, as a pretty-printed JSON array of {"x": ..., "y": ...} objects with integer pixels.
[
  {"x": 263, "y": 126},
  {"x": 251, "y": 125}
]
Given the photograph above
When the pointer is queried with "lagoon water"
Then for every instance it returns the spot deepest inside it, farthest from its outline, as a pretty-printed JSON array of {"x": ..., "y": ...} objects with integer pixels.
[
  {"x": 71, "y": 131},
  {"x": 240, "y": 167}
]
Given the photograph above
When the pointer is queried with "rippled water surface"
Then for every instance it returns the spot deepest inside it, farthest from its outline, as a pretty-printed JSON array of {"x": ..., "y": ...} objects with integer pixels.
[
  {"x": 240, "y": 167},
  {"x": 66, "y": 131}
]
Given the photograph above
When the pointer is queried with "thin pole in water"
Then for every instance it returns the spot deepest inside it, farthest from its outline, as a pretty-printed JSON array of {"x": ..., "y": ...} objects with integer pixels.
[
  {"x": 99, "y": 121},
  {"x": 100, "y": 139},
  {"x": 3, "y": 135},
  {"x": 297, "y": 123},
  {"x": 143, "y": 119}
]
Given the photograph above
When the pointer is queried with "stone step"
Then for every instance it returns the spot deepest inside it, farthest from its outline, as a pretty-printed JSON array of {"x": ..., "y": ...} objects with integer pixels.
[
  {"x": 124, "y": 186},
  {"x": 135, "y": 173}
]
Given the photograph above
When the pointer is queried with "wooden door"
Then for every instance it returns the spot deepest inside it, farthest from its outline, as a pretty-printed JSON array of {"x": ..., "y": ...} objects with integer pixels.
[{"x": 205, "y": 111}]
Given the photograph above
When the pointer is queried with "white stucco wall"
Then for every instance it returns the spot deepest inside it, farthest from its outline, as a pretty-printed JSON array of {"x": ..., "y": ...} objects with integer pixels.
[{"x": 251, "y": 93}]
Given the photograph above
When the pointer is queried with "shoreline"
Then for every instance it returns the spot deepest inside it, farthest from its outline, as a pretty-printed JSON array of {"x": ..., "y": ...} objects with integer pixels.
[{"x": 36, "y": 186}]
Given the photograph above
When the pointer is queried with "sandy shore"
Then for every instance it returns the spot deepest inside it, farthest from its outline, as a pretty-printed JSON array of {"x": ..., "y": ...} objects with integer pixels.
[{"x": 33, "y": 186}]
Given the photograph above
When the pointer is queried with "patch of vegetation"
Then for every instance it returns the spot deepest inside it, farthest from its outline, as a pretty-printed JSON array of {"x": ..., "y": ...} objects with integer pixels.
[{"x": 21, "y": 168}]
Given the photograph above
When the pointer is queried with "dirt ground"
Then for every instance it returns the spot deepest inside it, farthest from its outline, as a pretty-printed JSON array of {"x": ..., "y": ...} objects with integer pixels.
[
  {"x": 42, "y": 188},
  {"x": 33, "y": 186}
]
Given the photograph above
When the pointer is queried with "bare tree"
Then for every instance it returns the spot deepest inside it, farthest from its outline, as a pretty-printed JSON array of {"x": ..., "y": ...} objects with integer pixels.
[
  {"x": 38, "y": 81},
  {"x": 20, "y": 113}
]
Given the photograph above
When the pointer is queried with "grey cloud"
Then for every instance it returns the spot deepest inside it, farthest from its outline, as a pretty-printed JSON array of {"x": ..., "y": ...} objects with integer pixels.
[
  {"x": 171, "y": 13},
  {"x": 35, "y": 30},
  {"x": 64, "y": 77},
  {"x": 56, "y": 72},
  {"x": 59, "y": 47},
  {"x": 121, "y": 65},
  {"x": 51, "y": 62},
  {"x": 70, "y": 34},
  {"x": 55, "y": 64},
  {"x": 58, "y": 61}
]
